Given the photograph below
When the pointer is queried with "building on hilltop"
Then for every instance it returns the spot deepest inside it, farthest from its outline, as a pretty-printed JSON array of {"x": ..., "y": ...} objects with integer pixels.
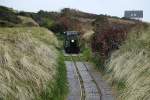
[{"x": 134, "y": 14}]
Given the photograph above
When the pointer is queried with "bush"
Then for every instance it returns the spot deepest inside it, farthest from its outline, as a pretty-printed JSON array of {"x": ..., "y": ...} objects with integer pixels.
[
  {"x": 95, "y": 58},
  {"x": 9, "y": 15}
]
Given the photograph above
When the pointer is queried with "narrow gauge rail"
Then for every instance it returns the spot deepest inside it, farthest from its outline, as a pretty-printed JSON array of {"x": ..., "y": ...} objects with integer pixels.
[
  {"x": 99, "y": 91},
  {"x": 80, "y": 79},
  {"x": 90, "y": 91}
]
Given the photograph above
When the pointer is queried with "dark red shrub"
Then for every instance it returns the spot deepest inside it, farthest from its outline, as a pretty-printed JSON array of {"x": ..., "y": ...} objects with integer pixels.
[{"x": 109, "y": 34}]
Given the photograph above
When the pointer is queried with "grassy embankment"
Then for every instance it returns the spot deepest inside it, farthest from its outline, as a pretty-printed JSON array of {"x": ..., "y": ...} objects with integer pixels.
[
  {"x": 129, "y": 68},
  {"x": 30, "y": 65}
]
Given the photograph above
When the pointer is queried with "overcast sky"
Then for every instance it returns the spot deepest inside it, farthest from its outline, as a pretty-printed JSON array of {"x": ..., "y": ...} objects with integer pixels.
[{"x": 109, "y": 7}]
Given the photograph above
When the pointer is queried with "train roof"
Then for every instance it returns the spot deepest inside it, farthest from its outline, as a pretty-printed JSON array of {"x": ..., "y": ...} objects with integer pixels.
[{"x": 71, "y": 33}]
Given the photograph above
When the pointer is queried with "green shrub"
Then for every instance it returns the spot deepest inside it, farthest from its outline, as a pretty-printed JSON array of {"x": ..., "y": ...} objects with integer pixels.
[
  {"x": 95, "y": 58},
  {"x": 87, "y": 54}
]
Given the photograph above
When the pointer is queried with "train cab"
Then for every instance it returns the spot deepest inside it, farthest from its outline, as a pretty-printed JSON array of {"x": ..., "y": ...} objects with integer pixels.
[{"x": 71, "y": 43}]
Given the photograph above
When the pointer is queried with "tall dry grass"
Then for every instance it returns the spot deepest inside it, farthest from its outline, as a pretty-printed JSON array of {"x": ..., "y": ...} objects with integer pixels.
[
  {"x": 129, "y": 67},
  {"x": 88, "y": 34},
  {"x": 27, "y": 62},
  {"x": 27, "y": 21}
]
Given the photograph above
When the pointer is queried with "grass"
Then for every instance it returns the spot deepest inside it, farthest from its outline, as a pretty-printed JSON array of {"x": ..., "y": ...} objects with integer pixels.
[
  {"x": 94, "y": 58},
  {"x": 88, "y": 34},
  {"x": 30, "y": 65},
  {"x": 130, "y": 66},
  {"x": 27, "y": 21},
  {"x": 60, "y": 89},
  {"x": 76, "y": 58}
]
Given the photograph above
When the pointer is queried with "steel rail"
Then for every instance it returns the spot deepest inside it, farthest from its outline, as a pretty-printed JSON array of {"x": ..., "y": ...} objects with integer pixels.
[
  {"x": 80, "y": 80},
  {"x": 98, "y": 88}
]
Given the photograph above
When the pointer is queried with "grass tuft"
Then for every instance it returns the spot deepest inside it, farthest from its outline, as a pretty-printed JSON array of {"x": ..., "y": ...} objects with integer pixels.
[{"x": 28, "y": 63}]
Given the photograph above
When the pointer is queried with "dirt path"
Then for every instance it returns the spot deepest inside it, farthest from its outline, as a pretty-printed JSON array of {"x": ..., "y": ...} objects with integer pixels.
[{"x": 85, "y": 83}]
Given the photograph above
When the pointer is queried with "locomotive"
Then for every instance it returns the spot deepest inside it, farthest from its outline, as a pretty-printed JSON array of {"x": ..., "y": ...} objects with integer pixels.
[{"x": 71, "y": 43}]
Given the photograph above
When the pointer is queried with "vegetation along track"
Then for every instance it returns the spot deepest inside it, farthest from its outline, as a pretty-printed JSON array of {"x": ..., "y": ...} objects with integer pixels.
[{"x": 88, "y": 85}]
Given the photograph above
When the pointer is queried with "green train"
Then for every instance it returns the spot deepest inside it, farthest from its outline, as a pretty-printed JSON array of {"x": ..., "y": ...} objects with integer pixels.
[{"x": 71, "y": 43}]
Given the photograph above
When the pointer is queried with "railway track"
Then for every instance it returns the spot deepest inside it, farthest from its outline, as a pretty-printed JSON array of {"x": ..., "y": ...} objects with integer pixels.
[
  {"x": 89, "y": 89},
  {"x": 82, "y": 89},
  {"x": 86, "y": 83},
  {"x": 98, "y": 89}
]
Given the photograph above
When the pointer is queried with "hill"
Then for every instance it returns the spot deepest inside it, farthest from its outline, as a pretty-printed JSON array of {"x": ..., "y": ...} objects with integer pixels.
[
  {"x": 10, "y": 18},
  {"x": 28, "y": 63}
]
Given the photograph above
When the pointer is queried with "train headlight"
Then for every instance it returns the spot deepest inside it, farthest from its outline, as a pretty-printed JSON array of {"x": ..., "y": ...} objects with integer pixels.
[{"x": 72, "y": 40}]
